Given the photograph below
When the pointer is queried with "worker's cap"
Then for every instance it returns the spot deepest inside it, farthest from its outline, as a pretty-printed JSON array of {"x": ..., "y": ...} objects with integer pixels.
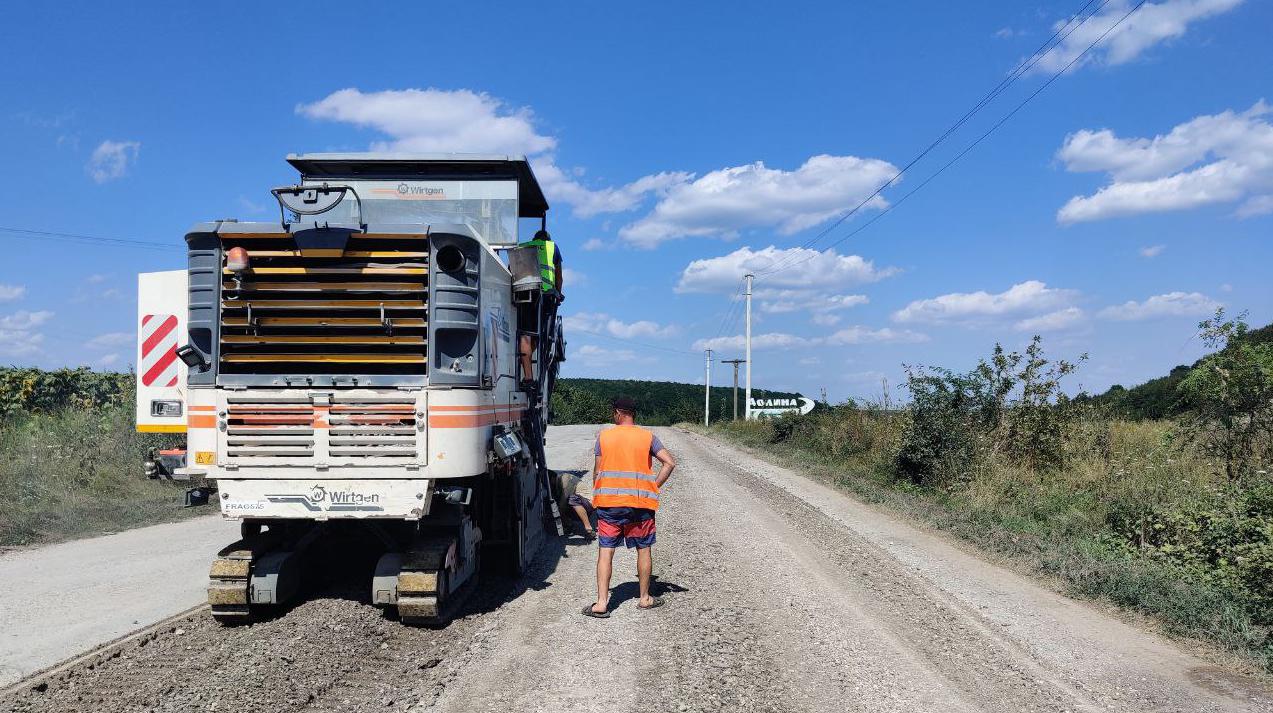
[{"x": 623, "y": 403}]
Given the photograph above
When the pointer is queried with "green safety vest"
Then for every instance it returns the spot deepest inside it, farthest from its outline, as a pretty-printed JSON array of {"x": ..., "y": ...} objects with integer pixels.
[{"x": 547, "y": 251}]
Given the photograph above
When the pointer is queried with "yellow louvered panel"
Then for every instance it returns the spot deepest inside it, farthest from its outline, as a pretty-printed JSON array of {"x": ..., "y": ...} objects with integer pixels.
[
  {"x": 320, "y": 287},
  {"x": 326, "y": 310},
  {"x": 328, "y": 358},
  {"x": 337, "y": 253},
  {"x": 400, "y": 323},
  {"x": 333, "y": 271},
  {"x": 319, "y": 339},
  {"x": 322, "y": 304}
]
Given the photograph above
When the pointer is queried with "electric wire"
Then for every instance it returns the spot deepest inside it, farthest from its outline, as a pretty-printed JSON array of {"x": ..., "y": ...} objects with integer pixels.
[
  {"x": 730, "y": 317},
  {"x": 26, "y": 234},
  {"x": 1024, "y": 66},
  {"x": 976, "y": 142}
]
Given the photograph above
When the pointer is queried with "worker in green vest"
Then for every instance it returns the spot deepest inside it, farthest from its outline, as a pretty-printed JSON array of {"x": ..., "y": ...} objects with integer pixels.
[{"x": 550, "y": 295}]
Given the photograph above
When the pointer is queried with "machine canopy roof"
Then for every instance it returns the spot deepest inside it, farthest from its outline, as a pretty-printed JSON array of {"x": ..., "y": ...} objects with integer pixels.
[{"x": 440, "y": 166}]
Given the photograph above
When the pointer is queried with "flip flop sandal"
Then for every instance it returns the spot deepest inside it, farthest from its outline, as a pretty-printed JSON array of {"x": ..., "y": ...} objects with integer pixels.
[
  {"x": 587, "y": 611},
  {"x": 654, "y": 604}
]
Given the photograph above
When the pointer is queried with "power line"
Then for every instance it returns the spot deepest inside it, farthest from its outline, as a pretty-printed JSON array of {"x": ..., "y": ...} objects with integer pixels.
[
  {"x": 25, "y": 234},
  {"x": 1051, "y": 43},
  {"x": 978, "y": 140},
  {"x": 730, "y": 317}
]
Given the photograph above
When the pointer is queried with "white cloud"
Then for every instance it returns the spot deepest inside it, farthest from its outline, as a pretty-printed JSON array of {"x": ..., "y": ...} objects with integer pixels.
[
  {"x": 866, "y": 335},
  {"x": 725, "y": 201},
  {"x": 1151, "y": 24},
  {"x": 435, "y": 120},
  {"x": 23, "y": 320},
  {"x": 1172, "y": 304},
  {"x": 464, "y": 121},
  {"x": 9, "y": 293},
  {"x": 1255, "y": 205},
  {"x": 1212, "y": 159},
  {"x": 106, "y": 360},
  {"x": 18, "y": 337},
  {"x": 589, "y": 202},
  {"x": 96, "y": 288},
  {"x": 590, "y": 355},
  {"x": 605, "y": 324},
  {"x": 595, "y": 244},
  {"x": 111, "y": 159},
  {"x": 825, "y": 319},
  {"x": 19, "y": 343},
  {"x": 573, "y": 277},
  {"x": 770, "y": 340},
  {"x": 1007, "y": 33},
  {"x": 1152, "y": 250},
  {"x": 1052, "y": 321},
  {"x": 111, "y": 339},
  {"x": 781, "y": 340},
  {"x": 786, "y": 301},
  {"x": 1023, "y": 299},
  {"x": 810, "y": 270}
]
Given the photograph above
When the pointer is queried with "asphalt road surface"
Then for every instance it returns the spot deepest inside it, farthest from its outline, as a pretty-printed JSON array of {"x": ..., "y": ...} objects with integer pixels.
[{"x": 782, "y": 595}]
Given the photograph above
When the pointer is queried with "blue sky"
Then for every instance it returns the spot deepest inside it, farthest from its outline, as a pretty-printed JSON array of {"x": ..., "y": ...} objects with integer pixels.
[{"x": 680, "y": 146}]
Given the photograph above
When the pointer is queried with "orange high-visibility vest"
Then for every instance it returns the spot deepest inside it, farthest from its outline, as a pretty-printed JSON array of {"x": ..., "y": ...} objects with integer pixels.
[{"x": 624, "y": 478}]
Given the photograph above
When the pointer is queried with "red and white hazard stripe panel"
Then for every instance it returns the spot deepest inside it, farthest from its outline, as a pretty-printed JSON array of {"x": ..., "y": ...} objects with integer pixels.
[{"x": 158, "y": 365}]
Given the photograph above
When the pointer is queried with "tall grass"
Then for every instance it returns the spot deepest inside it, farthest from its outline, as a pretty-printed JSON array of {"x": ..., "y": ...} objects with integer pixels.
[{"x": 78, "y": 471}]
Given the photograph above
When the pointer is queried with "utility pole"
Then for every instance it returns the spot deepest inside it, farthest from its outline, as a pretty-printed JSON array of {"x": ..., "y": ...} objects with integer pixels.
[
  {"x": 735, "y": 362},
  {"x": 747, "y": 355},
  {"x": 707, "y": 391}
]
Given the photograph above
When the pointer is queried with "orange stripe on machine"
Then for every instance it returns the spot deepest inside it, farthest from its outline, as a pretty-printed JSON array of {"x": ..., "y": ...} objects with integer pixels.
[{"x": 473, "y": 416}]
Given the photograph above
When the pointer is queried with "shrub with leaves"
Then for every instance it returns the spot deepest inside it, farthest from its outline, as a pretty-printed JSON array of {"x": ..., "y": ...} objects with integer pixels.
[
  {"x": 1010, "y": 405},
  {"x": 1224, "y": 538},
  {"x": 1231, "y": 395}
]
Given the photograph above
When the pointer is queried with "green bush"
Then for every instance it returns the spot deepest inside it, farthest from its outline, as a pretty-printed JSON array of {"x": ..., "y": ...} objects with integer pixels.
[
  {"x": 1010, "y": 406},
  {"x": 1231, "y": 395},
  {"x": 1224, "y": 538}
]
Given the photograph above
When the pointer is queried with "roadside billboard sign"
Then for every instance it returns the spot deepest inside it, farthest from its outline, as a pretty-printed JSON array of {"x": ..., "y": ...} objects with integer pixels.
[{"x": 772, "y": 408}]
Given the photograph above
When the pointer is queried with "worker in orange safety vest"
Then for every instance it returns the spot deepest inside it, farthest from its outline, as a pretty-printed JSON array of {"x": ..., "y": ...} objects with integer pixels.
[{"x": 626, "y": 495}]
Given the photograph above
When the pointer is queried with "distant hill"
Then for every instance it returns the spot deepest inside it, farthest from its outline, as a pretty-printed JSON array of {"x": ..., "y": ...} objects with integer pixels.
[
  {"x": 660, "y": 403},
  {"x": 1158, "y": 398}
]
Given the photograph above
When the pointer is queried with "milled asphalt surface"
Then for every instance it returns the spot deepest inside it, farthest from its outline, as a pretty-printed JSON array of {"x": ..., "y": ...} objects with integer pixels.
[
  {"x": 782, "y": 595},
  {"x": 59, "y": 600}
]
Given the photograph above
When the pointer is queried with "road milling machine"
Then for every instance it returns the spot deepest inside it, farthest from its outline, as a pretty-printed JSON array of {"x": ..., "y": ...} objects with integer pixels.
[{"x": 348, "y": 377}]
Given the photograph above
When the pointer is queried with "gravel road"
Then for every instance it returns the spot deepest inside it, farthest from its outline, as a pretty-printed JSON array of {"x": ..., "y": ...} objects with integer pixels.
[{"x": 783, "y": 595}]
